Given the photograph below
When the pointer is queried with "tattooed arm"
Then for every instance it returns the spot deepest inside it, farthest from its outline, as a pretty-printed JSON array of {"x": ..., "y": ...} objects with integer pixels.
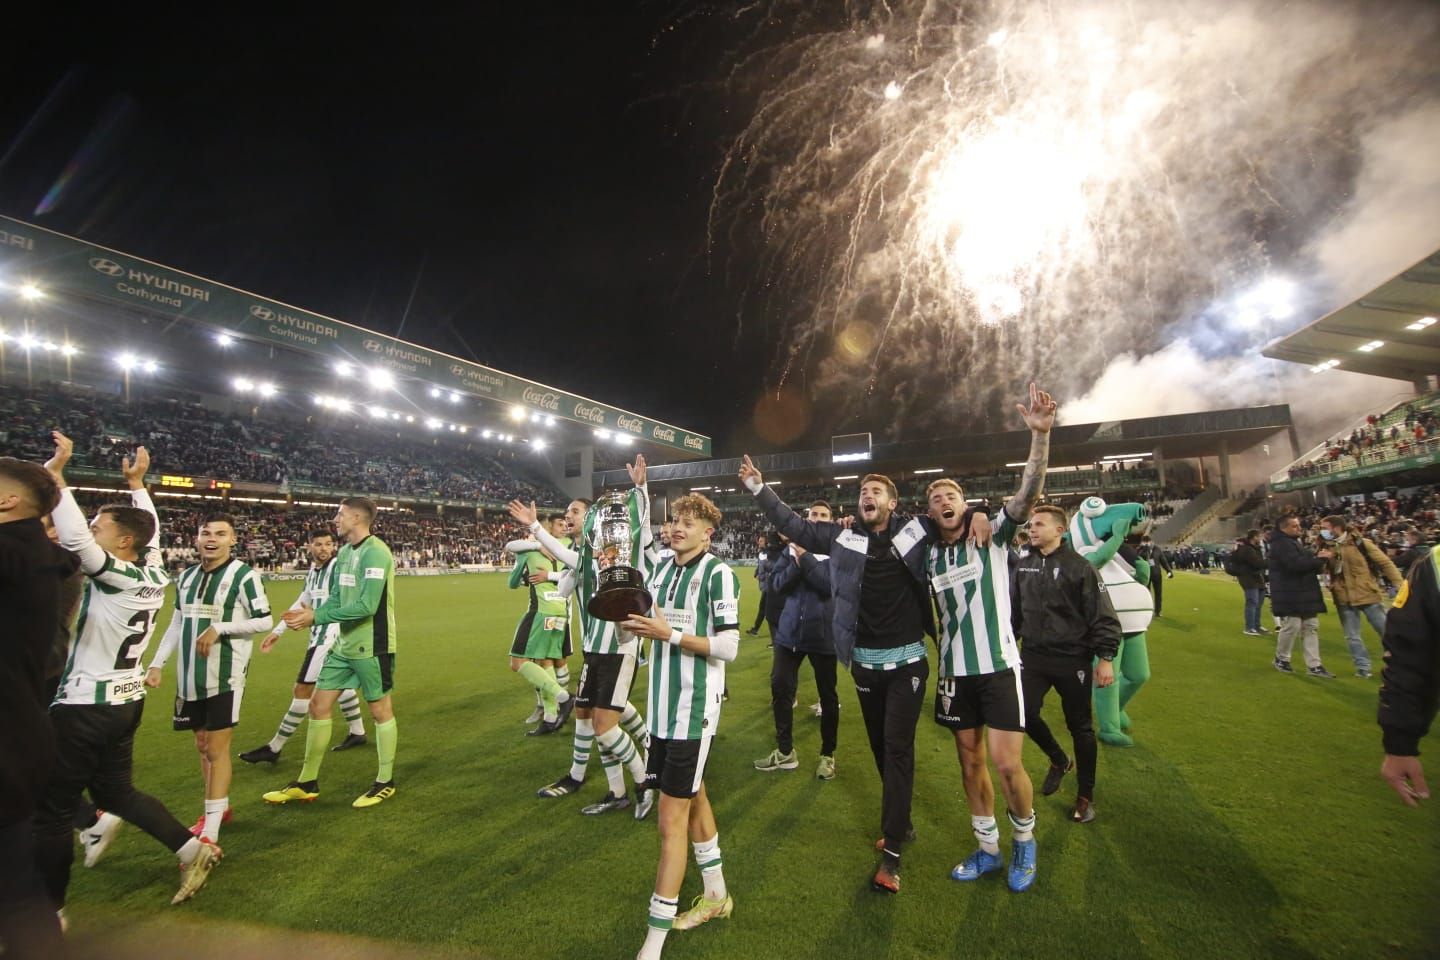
[{"x": 1039, "y": 417}]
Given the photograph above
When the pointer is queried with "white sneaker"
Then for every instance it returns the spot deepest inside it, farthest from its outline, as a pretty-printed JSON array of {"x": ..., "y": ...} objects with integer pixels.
[
  {"x": 96, "y": 840},
  {"x": 816, "y": 709}
]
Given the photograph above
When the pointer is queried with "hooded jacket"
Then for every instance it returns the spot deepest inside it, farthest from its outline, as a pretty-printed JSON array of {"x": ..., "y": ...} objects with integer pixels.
[{"x": 1353, "y": 571}]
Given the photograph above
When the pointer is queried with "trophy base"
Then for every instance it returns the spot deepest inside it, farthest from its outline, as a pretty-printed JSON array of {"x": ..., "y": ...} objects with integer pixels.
[
  {"x": 621, "y": 592},
  {"x": 619, "y": 602}
]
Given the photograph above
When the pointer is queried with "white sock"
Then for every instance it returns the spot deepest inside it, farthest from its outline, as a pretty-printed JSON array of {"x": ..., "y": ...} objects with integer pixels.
[
  {"x": 580, "y": 755},
  {"x": 1024, "y": 826},
  {"x": 614, "y": 773},
  {"x": 707, "y": 858},
  {"x": 987, "y": 832},
  {"x": 189, "y": 851},
  {"x": 214, "y": 813},
  {"x": 634, "y": 724},
  {"x": 350, "y": 704},
  {"x": 662, "y": 916},
  {"x": 299, "y": 707},
  {"x": 618, "y": 745},
  {"x": 562, "y": 676}
]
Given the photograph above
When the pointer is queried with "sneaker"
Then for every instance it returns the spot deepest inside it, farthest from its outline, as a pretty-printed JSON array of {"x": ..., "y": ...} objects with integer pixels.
[
  {"x": 1084, "y": 810},
  {"x": 306, "y": 792},
  {"x": 1022, "y": 866},
  {"x": 1054, "y": 776},
  {"x": 193, "y": 875},
  {"x": 825, "y": 769},
  {"x": 544, "y": 728},
  {"x": 703, "y": 911},
  {"x": 976, "y": 866},
  {"x": 96, "y": 840},
  {"x": 612, "y": 801},
  {"x": 816, "y": 709},
  {"x": 351, "y": 741},
  {"x": 887, "y": 875},
  {"x": 1363, "y": 673},
  {"x": 376, "y": 795},
  {"x": 752, "y": 633},
  {"x": 1283, "y": 666},
  {"x": 566, "y": 708},
  {"x": 644, "y": 803},
  {"x": 199, "y": 827},
  {"x": 1251, "y": 633},
  {"x": 776, "y": 760},
  {"x": 536, "y": 715},
  {"x": 261, "y": 755},
  {"x": 880, "y": 844},
  {"x": 1320, "y": 673},
  {"x": 563, "y": 787}
]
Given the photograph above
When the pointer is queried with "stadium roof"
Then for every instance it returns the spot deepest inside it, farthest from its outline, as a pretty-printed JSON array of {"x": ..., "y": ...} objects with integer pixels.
[
  {"x": 1383, "y": 334},
  {"x": 1178, "y": 436},
  {"x": 56, "y": 263}
]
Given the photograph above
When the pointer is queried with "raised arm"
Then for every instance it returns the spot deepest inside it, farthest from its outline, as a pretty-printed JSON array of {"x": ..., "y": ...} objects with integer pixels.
[
  {"x": 526, "y": 514},
  {"x": 812, "y": 536},
  {"x": 1040, "y": 418}
]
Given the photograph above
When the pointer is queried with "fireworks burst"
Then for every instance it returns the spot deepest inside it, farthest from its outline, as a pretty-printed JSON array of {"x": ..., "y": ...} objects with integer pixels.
[{"x": 949, "y": 199}]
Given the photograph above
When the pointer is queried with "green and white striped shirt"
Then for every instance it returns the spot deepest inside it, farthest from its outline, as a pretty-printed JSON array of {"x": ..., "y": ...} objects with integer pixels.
[
  {"x": 232, "y": 599},
  {"x": 971, "y": 587},
  {"x": 602, "y": 636},
  {"x": 700, "y": 599},
  {"x": 314, "y": 595}
]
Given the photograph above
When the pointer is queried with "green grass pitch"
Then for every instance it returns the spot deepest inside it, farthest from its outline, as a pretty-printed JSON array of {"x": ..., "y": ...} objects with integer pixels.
[{"x": 1249, "y": 821}]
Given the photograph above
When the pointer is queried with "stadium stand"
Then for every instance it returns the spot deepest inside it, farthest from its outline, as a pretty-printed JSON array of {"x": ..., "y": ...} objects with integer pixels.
[{"x": 1404, "y": 431}]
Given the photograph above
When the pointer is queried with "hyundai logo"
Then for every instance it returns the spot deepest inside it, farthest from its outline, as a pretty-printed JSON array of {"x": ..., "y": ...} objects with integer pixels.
[
  {"x": 108, "y": 267},
  {"x": 262, "y": 313},
  {"x": 374, "y": 346}
]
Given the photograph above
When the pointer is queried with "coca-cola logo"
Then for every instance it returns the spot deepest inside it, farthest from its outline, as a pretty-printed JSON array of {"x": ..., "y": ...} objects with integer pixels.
[
  {"x": 589, "y": 414},
  {"x": 541, "y": 398},
  {"x": 663, "y": 433},
  {"x": 633, "y": 424},
  {"x": 694, "y": 443}
]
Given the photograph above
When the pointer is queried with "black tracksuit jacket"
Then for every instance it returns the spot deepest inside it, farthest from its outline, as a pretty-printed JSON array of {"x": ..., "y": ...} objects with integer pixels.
[{"x": 1059, "y": 607}]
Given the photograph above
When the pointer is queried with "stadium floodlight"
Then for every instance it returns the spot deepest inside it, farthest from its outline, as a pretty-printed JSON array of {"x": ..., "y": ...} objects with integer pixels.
[
  {"x": 453, "y": 427},
  {"x": 126, "y": 361},
  {"x": 624, "y": 439},
  {"x": 242, "y": 385},
  {"x": 534, "y": 418},
  {"x": 31, "y": 292},
  {"x": 1370, "y": 347},
  {"x": 1330, "y": 364},
  {"x": 409, "y": 418},
  {"x": 549, "y": 421},
  {"x": 27, "y": 342},
  {"x": 319, "y": 400},
  {"x": 602, "y": 433},
  {"x": 342, "y": 405},
  {"x": 464, "y": 429},
  {"x": 49, "y": 346},
  {"x": 537, "y": 444},
  {"x": 380, "y": 378},
  {"x": 265, "y": 389},
  {"x": 224, "y": 339},
  {"x": 150, "y": 366},
  {"x": 69, "y": 349},
  {"x": 432, "y": 423},
  {"x": 395, "y": 415},
  {"x": 1421, "y": 324},
  {"x": 378, "y": 413},
  {"x": 487, "y": 434},
  {"x": 344, "y": 369},
  {"x": 454, "y": 397},
  {"x": 434, "y": 391},
  {"x": 517, "y": 413}
]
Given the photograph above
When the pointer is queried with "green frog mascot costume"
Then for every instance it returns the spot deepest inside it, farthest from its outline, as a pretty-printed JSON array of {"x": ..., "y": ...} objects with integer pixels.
[{"x": 1097, "y": 531}]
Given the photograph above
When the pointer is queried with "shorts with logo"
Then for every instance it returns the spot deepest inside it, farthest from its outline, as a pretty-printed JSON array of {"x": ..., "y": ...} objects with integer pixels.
[
  {"x": 677, "y": 767},
  {"x": 538, "y": 637},
  {"x": 994, "y": 700},
  {"x": 605, "y": 681},
  {"x": 373, "y": 676},
  {"x": 220, "y": 712}
]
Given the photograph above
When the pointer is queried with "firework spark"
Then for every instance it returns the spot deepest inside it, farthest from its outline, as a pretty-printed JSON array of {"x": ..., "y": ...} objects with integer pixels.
[{"x": 949, "y": 199}]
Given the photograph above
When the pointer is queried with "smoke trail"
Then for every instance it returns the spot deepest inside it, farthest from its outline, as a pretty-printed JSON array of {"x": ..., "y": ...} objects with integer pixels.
[{"x": 948, "y": 200}]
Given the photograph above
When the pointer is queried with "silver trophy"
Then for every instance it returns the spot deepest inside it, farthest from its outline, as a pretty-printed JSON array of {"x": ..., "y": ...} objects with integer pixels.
[{"x": 615, "y": 544}]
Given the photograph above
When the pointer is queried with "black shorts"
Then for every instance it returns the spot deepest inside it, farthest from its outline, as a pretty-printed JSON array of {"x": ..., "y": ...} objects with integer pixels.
[
  {"x": 605, "y": 680},
  {"x": 677, "y": 767},
  {"x": 994, "y": 700},
  {"x": 220, "y": 712},
  {"x": 568, "y": 649}
]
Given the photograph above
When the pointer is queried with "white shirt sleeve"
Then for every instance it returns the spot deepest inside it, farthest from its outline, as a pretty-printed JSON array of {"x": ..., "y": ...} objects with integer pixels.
[
  {"x": 167, "y": 642},
  {"x": 558, "y": 550},
  {"x": 75, "y": 534}
]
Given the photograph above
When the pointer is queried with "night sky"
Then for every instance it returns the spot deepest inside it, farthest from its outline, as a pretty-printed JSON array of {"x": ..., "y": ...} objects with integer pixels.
[{"x": 545, "y": 180}]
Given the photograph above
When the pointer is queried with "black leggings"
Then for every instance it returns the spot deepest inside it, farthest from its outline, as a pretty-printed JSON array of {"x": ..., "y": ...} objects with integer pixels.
[
  {"x": 94, "y": 745},
  {"x": 891, "y": 701},
  {"x": 1070, "y": 677},
  {"x": 784, "y": 679}
]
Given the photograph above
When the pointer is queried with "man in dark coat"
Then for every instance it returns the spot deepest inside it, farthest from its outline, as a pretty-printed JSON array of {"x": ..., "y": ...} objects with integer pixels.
[
  {"x": 1248, "y": 568},
  {"x": 32, "y": 570},
  {"x": 1295, "y": 597}
]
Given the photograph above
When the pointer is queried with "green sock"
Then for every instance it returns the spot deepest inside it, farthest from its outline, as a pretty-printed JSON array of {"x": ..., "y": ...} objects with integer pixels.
[
  {"x": 385, "y": 737},
  {"x": 317, "y": 740},
  {"x": 535, "y": 675}
]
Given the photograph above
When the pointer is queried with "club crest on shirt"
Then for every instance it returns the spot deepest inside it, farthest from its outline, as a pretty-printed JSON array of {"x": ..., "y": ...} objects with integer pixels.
[
  {"x": 914, "y": 684},
  {"x": 1080, "y": 675}
]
